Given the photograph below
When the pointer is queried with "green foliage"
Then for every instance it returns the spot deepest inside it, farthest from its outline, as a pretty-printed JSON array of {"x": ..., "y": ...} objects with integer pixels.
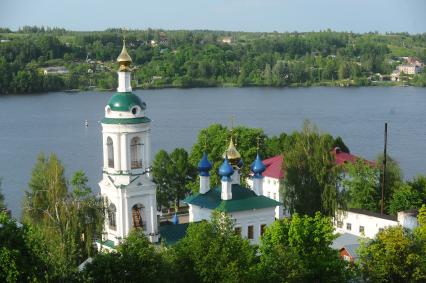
[
  {"x": 393, "y": 256},
  {"x": 311, "y": 176},
  {"x": 172, "y": 173},
  {"x": 405, "y": 198},
  {"x": 298, "y": 250},
  {"x": 211, "y": 252},
  {"x": 69, "y": 221},
  {"x": 362, "y": 185},
  {"x": 136, "y": 260},
  {"x": 200, "y": 59},
  {"x": 23, "y": 253}
]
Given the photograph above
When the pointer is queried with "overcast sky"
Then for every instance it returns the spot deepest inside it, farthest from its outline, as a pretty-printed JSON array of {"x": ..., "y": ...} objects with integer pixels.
[{"x": 234, "y": 15}]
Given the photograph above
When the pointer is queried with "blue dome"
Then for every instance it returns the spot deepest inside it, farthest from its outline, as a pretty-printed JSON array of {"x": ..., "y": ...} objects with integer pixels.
[
  {"x": 225, "y": 170},
  {"x": 204, "y": 165},
  {"x": 257, "y": 167}
]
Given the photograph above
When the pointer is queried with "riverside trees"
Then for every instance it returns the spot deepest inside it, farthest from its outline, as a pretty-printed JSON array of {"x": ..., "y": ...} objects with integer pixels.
[{"x": 68, "y": 220}]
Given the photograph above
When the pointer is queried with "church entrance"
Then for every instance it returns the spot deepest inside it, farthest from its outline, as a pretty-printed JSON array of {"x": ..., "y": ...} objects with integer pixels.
[{"x": 137, "y": 216}]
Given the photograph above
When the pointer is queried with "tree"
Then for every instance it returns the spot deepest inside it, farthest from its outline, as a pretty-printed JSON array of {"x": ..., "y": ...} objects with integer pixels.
[
  {"x": 298, "y": 250},
  {"x": 211, "y": 252},
  {"x": 136, "y": 260},
  {"x": 405, "y": 198},
  {"x": 23, "y": 253},
  {"x": 393, "y": 256},
  {"x": 172, "y": 173},
  {"x": 70, "y": 221},
  {"x": 311, "y": 176},
  {"x": 362, "y": 185}
]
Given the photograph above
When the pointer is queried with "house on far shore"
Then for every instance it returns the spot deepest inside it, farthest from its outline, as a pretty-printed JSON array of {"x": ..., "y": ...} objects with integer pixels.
[
  {"x": 61, "y": 70},
  {"x": 227, "y": 39}
]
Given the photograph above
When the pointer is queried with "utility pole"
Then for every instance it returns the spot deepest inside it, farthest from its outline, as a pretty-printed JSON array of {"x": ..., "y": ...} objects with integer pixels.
[{"x": 384, "y": 168}]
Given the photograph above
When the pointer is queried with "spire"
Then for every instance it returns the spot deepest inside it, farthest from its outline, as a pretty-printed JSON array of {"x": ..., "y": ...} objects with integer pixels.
[{"x": 124, "y": 59}]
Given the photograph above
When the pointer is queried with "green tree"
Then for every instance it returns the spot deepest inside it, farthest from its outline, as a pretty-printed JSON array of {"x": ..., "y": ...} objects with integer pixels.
[
  {"x": 298, "y": 250},
  {"x": 23, "y": 253},
  {"x": 70, "y": 221},
  {"x": 362, "y": 185},
  {"x": 136, "y": 260},
  {"x": 211, "y": 252},
  {"x": 405, "y": 198},
  {"x": 393, "y": 256},
  {"x": 311, "y": 176},
  {"x": 172, "y": 173}
]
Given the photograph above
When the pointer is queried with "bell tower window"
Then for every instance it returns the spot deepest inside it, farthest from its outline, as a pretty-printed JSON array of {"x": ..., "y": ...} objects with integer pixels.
[
  {"x": 112, "y": 210},
  {"x": 110, "y": 148},
  {"x": 136, "y": 153}
]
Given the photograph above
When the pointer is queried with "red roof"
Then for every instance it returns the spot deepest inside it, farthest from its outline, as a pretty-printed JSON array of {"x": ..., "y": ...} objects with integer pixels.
[
  {"x": 274, "y": 164},
  {"x": 273, "y": 167},
  {"x": 343, "y": 157}
]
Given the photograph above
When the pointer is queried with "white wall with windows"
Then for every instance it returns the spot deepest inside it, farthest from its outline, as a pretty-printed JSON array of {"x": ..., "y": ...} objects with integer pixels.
[
  {"x": 249, "y": 224},
  {"x": 367, "y": 224},
  {"x": 271, "y": 189}
]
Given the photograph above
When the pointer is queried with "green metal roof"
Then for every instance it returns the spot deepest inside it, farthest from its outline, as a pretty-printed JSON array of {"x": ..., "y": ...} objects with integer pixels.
[
  {"x": 124, "y": 101},
  {"x": 242, "y": 199},
  {"x": 107, "y": 243},
  {"x": 171, "y": 233},
  {"x": 125, "y": 121}
]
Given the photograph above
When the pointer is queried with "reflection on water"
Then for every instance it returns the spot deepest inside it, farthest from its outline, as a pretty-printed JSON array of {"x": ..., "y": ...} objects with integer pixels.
[{"x": 55, "y": 122}]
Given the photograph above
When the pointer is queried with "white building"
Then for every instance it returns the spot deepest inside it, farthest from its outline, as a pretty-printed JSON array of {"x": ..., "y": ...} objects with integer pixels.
[
  {"x": 410, "y": 69},
  {"x": 251, "y": 211},
  {"x": 363, "y": 223},
  {"x": 61, "y": 70},
  {"x": 127, "y": 182}
]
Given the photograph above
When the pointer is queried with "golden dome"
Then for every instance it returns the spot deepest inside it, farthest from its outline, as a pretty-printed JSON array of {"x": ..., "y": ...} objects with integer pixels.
[
  {"x": 232, "y": 153},
  {"x": 124, "y": 59}
]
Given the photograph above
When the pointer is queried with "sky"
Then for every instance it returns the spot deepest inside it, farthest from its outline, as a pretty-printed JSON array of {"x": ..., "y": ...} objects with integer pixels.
[{"x": 232, "y": 15}]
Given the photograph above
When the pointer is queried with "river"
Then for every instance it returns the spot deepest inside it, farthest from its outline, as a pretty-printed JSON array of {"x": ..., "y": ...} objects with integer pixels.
[{"x": 54, "y": 122}]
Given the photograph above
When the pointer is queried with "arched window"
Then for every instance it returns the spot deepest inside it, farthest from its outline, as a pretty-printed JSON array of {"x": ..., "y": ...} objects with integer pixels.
[
  {"x": 138, "y": 216},
  {"x": 112, "y": 210},
  {"x": 136, "y": 153},
  {"x": 110, "y": 148}
]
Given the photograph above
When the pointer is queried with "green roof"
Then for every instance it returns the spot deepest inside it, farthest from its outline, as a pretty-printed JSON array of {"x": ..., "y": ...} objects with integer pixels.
[
  {"x": 171, "y": 233},
  {"x": 107, "y": 243},
  {"x": 124, "y": 121},
  {"x": 242, "y": 199},
  {"x": 124, "y": 101}
]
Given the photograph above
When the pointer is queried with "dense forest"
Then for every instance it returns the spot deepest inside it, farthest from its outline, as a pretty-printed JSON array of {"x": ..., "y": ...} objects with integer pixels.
[{"x": 180, "y": 58}]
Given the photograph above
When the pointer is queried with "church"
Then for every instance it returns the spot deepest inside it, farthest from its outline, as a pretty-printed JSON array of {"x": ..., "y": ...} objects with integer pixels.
[{"x": 130, "y": 193}]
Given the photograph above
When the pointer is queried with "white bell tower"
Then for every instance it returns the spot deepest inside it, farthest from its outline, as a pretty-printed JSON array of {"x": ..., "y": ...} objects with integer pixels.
[{"x": 127, "y": 182}]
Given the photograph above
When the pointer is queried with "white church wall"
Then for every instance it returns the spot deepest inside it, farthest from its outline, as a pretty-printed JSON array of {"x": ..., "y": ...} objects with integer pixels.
[{"x": 362, "y": 225}]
